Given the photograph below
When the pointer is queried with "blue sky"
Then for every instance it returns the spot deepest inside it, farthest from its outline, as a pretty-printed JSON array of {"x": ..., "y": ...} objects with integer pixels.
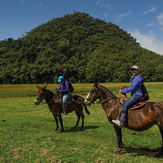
[{"x": 142, "y": 18}]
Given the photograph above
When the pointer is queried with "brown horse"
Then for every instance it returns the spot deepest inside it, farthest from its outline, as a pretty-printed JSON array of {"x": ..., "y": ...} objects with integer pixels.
[
  {"x": 139, "y": 120},
  {"x": 55, "y": 105}
]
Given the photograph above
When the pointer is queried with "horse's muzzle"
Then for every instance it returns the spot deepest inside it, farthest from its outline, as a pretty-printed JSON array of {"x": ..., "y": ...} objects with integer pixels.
[
  {"x": 87, "y": 103},
  {"x": 37, "y": 102}
]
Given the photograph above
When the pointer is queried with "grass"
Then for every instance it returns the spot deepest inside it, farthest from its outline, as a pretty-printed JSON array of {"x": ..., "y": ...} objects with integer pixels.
[
  {"x": 27, "y": 133},
  {"x": 23, "y": 90}
]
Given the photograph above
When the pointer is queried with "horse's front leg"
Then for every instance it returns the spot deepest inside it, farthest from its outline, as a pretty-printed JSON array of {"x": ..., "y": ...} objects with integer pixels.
[
  {"x": 161, "y": 149},
  {"x": 56, "y": 120},
  {"x": 119, "y": 138},
  {"x": 61, "y": 122}
]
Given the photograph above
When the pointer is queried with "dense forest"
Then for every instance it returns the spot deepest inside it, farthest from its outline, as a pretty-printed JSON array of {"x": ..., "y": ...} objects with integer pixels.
[{"x": 81, "y": 48}]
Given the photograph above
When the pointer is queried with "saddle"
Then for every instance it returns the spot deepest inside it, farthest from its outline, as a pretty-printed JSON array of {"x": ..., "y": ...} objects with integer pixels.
[
  {"x": 72, "y": 99},
  {"x": 139, "y": 104}
]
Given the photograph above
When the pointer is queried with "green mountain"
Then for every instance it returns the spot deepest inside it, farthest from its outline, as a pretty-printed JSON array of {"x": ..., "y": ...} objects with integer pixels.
[{"x": 81, "y": 48}]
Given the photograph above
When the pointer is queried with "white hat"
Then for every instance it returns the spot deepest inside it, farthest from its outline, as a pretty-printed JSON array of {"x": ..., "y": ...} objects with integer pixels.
[{"x": 134, "y": 67}]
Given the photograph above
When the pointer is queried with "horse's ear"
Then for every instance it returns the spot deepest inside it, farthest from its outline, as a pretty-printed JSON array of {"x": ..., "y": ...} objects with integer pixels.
[
  {"x": 38, "y": 87},
  {"x": 45, "y": 86},
  {"x": 97, "y": 84}
]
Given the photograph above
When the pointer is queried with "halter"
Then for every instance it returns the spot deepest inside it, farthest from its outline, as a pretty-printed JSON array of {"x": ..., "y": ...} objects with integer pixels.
[
  {"x": 41, "y": 98},
  {"x": 94, "y": 95}
]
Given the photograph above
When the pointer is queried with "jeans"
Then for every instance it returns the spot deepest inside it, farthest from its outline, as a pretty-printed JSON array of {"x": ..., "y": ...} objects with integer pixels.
[
  {"x": 130, "y": 102},
  {"x": 65, "y": 98}
]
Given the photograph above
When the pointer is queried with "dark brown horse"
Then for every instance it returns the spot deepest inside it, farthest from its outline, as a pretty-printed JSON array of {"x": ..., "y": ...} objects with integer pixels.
[
  {"x": 55, "y": 105},
  {"x": 139, "y": 120}
]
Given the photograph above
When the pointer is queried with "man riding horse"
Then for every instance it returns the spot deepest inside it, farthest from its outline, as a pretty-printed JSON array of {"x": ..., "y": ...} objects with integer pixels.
[
  {"x": 65, "y": 90},
  {"x": 136, "y": 94}
]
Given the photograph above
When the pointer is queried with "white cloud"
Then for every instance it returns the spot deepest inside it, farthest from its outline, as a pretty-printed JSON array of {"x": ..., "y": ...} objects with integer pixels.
[
  {"x": 119, "y": 17},
  {"x": 105, "y": 14},
  {"x": 102, "y": 5},
  {"x": 148, "y": 41},
  {"x": 39, "y": 4},
  {"x": 98, "y": 2},
  {"x": 151, "y": 24},
  {"x": 153, "y": 8},
  {"x": 160, "y": 19},
  {"x": 21, "y": 0},
  {"x": 124, "y": 15}
]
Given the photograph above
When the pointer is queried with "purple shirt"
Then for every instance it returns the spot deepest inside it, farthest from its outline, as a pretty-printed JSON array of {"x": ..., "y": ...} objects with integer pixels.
[{"x": 64, "y": 87}]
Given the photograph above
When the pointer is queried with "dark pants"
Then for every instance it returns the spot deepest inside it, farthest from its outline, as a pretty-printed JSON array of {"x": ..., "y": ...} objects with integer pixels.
[{"x": 130, "y": 102}]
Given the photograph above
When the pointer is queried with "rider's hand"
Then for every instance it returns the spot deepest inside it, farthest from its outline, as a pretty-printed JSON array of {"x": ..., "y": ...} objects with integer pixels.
[
  {"x": 121, "y": 88},
  {"x": 120, "y": 91}
]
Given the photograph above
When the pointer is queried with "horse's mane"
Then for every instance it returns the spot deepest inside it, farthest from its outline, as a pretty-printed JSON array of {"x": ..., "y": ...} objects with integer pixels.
[
  {"x": 50, "y": 92},
  {"x": 108, "y": 91}
]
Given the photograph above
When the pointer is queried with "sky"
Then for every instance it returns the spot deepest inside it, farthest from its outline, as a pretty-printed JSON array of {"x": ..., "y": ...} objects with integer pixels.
[{"x": 143, "y": 19}]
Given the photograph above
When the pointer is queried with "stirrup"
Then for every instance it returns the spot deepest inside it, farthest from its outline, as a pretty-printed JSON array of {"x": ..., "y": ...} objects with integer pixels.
[
  {"x": 64, "y": 113},
  {"x": 117, "y": 123}
]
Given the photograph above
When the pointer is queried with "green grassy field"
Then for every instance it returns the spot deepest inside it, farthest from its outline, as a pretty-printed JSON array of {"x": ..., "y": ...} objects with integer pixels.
[{"x": 27, "y": 131}]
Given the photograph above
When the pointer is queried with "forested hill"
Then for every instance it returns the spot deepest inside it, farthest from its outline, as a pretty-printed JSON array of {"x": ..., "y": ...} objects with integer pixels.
[{"x": 81, "y": 48}]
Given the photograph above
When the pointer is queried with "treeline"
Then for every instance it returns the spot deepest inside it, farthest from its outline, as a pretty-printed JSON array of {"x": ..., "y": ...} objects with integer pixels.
[{"x": 81, "y": 48}]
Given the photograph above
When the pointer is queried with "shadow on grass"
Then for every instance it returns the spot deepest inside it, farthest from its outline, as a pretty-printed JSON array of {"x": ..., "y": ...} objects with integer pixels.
[
  {"x": 139, "y": 151},
  {"x": 76, "y": 129}
]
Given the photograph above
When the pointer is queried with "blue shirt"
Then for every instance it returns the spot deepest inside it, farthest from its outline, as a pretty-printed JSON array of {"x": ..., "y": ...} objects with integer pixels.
[{"x": 136, "y": 84}]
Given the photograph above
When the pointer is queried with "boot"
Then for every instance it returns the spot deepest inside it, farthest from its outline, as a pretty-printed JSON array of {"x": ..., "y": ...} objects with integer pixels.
[
  {"x": 120, "y": 123},
  {"x": 122, "y": 119},
  {"x": 117, "y": 123},
  {"x": 64, "y": 112}
]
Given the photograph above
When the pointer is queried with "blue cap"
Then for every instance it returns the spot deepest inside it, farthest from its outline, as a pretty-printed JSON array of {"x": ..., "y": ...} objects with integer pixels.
[{"x": 60, "y": 78}]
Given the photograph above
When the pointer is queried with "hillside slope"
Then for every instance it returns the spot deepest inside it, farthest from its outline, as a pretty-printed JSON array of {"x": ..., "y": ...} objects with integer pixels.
[{"x": 81, "y": 48}]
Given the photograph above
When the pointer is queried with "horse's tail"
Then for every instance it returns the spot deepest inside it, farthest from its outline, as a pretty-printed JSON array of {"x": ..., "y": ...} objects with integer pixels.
[
  {"x": 86, "y": 110},
  {"x": 81, "y": 102}
]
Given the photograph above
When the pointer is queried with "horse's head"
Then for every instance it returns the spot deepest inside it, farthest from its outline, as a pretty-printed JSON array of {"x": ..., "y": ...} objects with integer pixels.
[
  {"x": 41, "y": 94},
  {"x": 93, "y": 95}
]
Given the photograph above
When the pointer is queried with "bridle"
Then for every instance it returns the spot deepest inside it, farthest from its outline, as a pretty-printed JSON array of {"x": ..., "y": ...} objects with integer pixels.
[
  {"x": 92, "y": 98},
  {"x": 42, "y": 98}
]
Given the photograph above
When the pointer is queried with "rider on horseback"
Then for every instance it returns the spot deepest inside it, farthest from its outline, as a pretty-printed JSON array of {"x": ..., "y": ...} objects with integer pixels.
[
  {"x": 64, "y": 88},
  {"x": 136, "y": 94}
]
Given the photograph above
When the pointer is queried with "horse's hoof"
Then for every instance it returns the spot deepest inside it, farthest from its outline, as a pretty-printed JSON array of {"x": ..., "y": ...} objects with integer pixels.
[
  {"x": 158, "y": 155},
  {"x": 116, "y": 152}
]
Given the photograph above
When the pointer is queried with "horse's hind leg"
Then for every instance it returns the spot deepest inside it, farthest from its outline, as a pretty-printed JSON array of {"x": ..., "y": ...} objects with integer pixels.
[
  {"x": 78, "y": 115},
  {"x": 82, "y": 115},
  {"x": 80, "y": 108},
  {"x": 161, "y": 149},
  {"x": 119, "y": 138},
  {"x": 56, "y": 120},
  {"x": 61, "y": 122}
]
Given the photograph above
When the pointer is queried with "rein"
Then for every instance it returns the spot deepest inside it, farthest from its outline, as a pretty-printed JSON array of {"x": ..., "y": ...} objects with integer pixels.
[
  {"x": 106, "y": 100},
  {"x": 95, "y": 94},
  {"x": 42, "y": 98}
]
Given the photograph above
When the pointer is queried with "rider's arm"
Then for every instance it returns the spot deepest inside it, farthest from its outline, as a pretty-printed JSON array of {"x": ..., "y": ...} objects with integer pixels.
[{"x": 134, "y": 85}]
